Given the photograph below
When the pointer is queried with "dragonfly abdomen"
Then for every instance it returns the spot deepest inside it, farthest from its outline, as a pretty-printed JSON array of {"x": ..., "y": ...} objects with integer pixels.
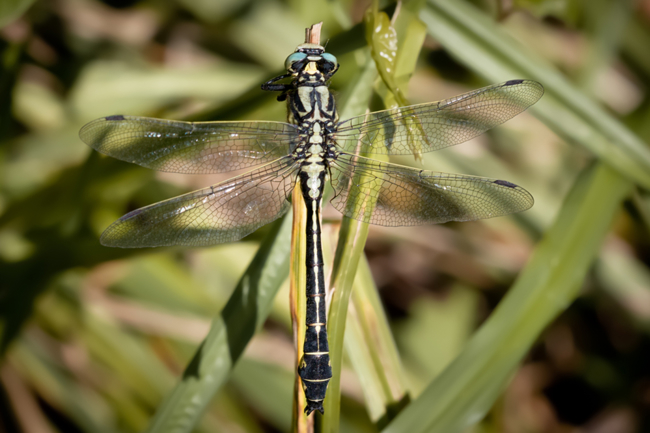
[{"x": 315, "y": 369}]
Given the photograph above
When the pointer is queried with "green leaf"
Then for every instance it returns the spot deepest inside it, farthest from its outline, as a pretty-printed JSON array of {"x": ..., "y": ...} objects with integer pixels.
[
  {"x": 382, "y": 39},
  {"x": 395, "y": 67},
  {"x": 112, "y": 87},
  {"x": 551, "y": 280}
]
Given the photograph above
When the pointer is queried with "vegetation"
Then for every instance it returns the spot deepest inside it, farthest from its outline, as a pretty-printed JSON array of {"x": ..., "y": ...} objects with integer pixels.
[{"x": 536, "y": 322}]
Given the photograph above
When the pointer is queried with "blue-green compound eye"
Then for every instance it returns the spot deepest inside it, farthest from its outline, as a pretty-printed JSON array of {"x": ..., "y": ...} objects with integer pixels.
[
  {"x": 330, "y": 58},
  {"x": 295, "y": 57}
]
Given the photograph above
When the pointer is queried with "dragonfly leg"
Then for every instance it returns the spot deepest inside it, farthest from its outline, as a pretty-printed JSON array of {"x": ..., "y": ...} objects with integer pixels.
[{"x": 270, "y": 87}]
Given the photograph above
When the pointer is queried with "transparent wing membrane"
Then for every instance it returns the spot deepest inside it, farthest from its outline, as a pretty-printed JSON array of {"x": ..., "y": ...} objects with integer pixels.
[
  {"x": 224, "y": 212},
  {"x": 190, "y": 147},
  {"x": 428, "y": 127},
  {"x": 367, "y": 190},
  {"x": 392, "y": 195}
]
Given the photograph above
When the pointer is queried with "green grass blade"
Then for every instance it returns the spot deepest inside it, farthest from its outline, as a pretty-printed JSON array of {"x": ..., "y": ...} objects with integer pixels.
[
  {"x": 465, "y": 391},
  {"x": 56, "y": 387},
  {"x": 372, "y": 350},
  {"x": 627, "y": 280},
  {"x": 229, "y": 334},
  {"x": 395, "y": 46},
  {"x": 353, "y": 234},
  {"x": 298, "y": 301},
  {"x": 268, "y": 388},
  {"x": 352, "y": 239},
  {"x": 480, "y": 44}
]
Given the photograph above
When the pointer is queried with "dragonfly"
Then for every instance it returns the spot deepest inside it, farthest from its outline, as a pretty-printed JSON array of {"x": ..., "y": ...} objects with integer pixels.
[{"x": 312, "y": 148}]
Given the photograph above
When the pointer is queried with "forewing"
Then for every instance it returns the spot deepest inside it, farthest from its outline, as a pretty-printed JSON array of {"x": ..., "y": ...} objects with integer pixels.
[
  {"x": 190, "y": 147},
  {"x": 433, "y": 126},
  {"x": 224, "y": 212},
  {"x": 392, "y": 195}
]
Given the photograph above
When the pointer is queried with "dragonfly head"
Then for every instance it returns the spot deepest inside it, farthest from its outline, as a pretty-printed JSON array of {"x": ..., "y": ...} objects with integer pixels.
[{"x": 311, "y": 58}]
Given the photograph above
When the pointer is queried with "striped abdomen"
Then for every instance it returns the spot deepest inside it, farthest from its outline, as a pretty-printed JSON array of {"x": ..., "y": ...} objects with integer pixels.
[{"x": 314, "y": 369}]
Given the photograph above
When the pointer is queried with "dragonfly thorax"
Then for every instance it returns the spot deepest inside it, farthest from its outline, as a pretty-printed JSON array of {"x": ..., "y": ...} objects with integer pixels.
[{"x": 313, "y": 109}]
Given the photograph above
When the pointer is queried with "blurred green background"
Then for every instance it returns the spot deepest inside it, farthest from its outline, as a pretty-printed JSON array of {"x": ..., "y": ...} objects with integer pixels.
[{"x": 93, "y": 338}]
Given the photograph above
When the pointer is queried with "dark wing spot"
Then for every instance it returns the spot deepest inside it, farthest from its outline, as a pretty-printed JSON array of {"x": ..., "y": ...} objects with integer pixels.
[
  {"x": 513, "y": 82},
  {"x": 116, "y": 117},
  {"x": 505, "y": 183}
]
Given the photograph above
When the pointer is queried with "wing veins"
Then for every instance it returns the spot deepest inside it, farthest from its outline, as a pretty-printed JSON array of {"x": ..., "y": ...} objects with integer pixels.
[
  {"x": 249, "y": 183},
  {"x": 187, "y": 147},
  {"x": 170, "y": 222},
  {"x": 439, "y": 124},
  {"x": 397, "y": 190}
]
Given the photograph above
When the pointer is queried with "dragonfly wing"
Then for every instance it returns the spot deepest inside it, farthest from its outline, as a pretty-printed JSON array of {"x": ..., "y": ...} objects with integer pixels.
[
  {"x": 393, "y": 195},
  {"x": 190, "y": 147},
  {"x": 433, "y": 126},
  {"x": 224, "y": 212}
]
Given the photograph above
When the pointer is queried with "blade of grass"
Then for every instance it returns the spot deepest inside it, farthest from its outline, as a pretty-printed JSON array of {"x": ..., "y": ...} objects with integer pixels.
[
  {"x": 353, "y": 234},
  {"x": 552, "y": 279},
  {"x": 55, "y": 387},
  {"x": 372, "y": 350},
  {"x": 481, "y": 45},
  {"x": 626, "y": 280},
  {"x": 352, "y": 237},
  {"x": 368, "y": 341},
  {"x": 267, "y": 388},
  {"x": 23, "y": 402},
  {"x": 229, "y": 333},
  {"x": 298, "y": 300}
]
